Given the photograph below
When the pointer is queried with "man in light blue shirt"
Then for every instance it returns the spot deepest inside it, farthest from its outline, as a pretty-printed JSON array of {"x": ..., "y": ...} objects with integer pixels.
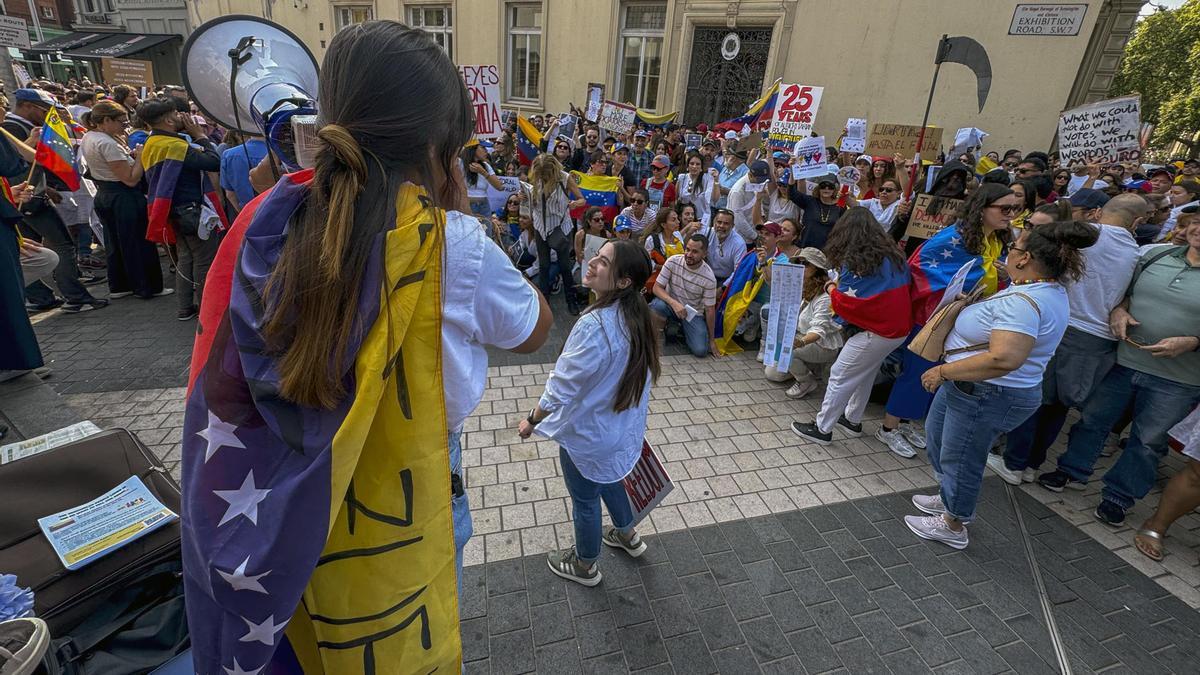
[{"x": 235, "y": 170}]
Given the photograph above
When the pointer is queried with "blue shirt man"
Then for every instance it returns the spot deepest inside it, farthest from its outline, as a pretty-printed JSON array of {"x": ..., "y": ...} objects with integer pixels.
[{"x": 235, "y": 170}]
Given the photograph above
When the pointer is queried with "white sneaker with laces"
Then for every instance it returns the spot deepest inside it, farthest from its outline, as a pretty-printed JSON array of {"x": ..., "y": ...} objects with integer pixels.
[
  {"x": 913, "y": 434},
  {"x": 801, "y": 389},
  {"x": 895, "y": 442},
  {"x": 931, "y": 504},
  {"x": 761, "y": 355},
  {"x": 935, "y": 528},
  {"x": 1029, "y": 475},
  {"x": 996, "y": 464}
]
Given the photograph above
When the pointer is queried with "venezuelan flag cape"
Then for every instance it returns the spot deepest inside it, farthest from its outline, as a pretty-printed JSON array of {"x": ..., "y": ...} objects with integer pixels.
[
  {"x": 162, "y": 158},
  {"x": 528, "y": 141},
  {"x": 321, "y": 541},
  {"x": 758, "y": 117},
  {"x": 936, "y": 260},
  {"x": 740, "y": 289},
  {"x": 54, "y": 152},
  {"x": 879, "y": 303},
  {"x": 598, "y": 191}
]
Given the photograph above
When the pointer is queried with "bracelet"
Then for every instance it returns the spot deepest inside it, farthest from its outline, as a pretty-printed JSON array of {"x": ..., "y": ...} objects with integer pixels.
[{"x": 532, "y": 422}]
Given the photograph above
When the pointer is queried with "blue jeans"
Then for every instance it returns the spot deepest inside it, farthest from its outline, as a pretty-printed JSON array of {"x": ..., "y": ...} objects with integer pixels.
[
  {"x": 695, "y": 331},
  {"x": 460, "y": 510},
  {"x": 961, "y": 428},
  {"x": 585, "y": 507},
  {"x": 1158, "y": 405}
]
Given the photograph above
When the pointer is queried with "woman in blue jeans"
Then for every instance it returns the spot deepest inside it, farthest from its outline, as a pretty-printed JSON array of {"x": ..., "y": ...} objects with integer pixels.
[
  {"x": 595, "y": 406},
  {"x": 991, "y": 381}
]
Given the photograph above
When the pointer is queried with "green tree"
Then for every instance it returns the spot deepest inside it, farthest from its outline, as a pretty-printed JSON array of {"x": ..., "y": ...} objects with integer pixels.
[{"x": 1162, "y": 63}]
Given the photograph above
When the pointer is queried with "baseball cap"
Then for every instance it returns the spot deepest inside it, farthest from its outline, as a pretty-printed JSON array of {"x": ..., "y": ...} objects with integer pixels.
[
  {"x": 814, "y": 256},
  {"x": 864, "y": 158},
  {"x": 731, "y": 135},
  {"x": 709, "y": 141},
  {"x": 620, "y": 147},
  {"x": 1161, "y": 169},
  {"x": 34, "y": 96},
  {"x": 780, "y": 156},
  {"x": 702, "y": 128},
  {"x": 1087, "y": 198},
  {"x": 759, "y": 170},
  {"x": 661, "y": 161},
  {"x": 621, "y": 223},
  {"x": 772, "y": 227},
  {"x": 640, "y": 133},
  {"x": 1137, "y": 185},
  {"x": 827, "y": 181}
]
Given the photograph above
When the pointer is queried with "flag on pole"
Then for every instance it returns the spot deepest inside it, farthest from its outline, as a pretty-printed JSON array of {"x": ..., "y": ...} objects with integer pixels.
[
  {"x": 529, "y": 141},
  {"x": 54, "y": 151},
  {"x": 758, "y": 117}
]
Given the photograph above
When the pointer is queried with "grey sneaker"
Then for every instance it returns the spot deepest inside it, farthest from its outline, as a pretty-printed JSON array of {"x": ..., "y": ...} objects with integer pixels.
[
  {"x": 895, "y": 442},
  {"x": 632, "y": 544},
  {"x": 23, "y": 642},
  {"x": 931, "y": 504},
  {"x": 934, "y": 528},
  {"x": 913, "y": 434},
  {"x": 566, "y": 564}
]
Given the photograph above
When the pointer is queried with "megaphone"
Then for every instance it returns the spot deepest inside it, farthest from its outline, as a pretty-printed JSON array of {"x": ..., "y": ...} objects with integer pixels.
[{"x": 255, "y": 77}]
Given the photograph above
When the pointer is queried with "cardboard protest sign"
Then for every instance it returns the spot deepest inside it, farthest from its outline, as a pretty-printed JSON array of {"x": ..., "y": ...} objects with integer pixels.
[
  {"x": 795, "y": 112},
  {"x": 1105, "y": 131},
  {"x": 496, "y": 198},
  {"x": 922, "y": 224},
  {"x": 617, "y": 117},
  {"x": 647, "y": 484},
  {"x": 132, "y": 72},
  {"x": 888, "y": 139},
  {"x": 856, "y": 136},
  {"x": 483, "y": 84},
  {"x": 749, "y": 142},
  {"x": 810, "y": 157},
  {"x": 595, "y": 101}
]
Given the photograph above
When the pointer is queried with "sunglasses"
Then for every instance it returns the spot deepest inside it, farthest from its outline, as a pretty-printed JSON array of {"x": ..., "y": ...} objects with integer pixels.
[
  {"x": 886, "y": 189},
  {"x": 596, "y": 219},
  {"x": 1026, "y": 170},
  {"x": 1008, "y": 210},
  {"x": 659, "y": 168},
  {"x": 1009, "y": 165},
  {"x": 637, "y": 201}
]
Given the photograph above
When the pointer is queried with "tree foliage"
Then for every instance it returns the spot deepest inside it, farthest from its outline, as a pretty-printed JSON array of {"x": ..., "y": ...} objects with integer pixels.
[{"x": 1162, "y": 63}]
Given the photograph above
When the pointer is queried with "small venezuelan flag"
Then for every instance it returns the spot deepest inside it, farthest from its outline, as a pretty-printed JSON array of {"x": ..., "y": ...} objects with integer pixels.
[
  {"x": 529, "y": 141},
  {"x": 598, "y": 191},
  {"x": 54, "y": 151}
]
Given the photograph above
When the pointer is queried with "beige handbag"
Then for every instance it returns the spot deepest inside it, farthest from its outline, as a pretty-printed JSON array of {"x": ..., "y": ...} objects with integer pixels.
[{"x": 930, "y": 342}]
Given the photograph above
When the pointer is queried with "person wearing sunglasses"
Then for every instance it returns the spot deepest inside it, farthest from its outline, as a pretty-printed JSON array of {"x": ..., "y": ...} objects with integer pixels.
[
  {"x": 1030, "y": 167},
  {"x": 978, "y": 237},
  {"x": 885, "y": 203},
  {"x": 638, "y": 212}
]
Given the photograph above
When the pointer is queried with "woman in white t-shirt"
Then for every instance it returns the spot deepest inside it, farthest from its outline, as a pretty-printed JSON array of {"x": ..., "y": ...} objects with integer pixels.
[
  {"x": 885, "y": 204},
  {"x": 698, "y": 187},
  {"x": 992, "y": 379},
  {"x": 480, "y": 174}
]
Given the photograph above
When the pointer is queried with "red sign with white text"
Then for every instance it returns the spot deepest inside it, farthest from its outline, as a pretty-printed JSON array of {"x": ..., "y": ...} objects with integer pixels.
[{"x": 647, "y": 484}]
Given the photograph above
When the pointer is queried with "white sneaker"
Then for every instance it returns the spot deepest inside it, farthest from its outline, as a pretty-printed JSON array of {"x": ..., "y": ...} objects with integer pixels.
[
  {"x": 913, "y": 434},
  {"x": 120, "y": 294},
  {"x": 895, "y": 442},
  {"x": 934, "y": 528},
  {"x": 760, "y": 356},
  {"x": 996, "y": 464},
  {"x": 1029, "y": 475},
  {"x": 801, "y": 389},
  {"x": 931, "y": 504}
]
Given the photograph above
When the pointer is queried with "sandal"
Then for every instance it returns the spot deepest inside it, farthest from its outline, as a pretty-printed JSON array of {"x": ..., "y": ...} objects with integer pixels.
[{"x": 1152, "y": 551}]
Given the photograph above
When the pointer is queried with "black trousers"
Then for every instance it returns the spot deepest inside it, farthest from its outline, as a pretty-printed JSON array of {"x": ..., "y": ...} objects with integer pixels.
[
  {"x": 47, "y": 227},
  {"x": 132, "y": 260},
  {"x": 20, "y": 350}
]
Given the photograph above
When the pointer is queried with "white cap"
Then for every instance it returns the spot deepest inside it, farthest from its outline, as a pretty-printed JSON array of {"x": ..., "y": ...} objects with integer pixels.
[{"x": 730, "y": 135}]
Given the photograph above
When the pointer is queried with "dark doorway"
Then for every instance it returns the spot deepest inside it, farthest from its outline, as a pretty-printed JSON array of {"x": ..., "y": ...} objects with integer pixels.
[{"x": 719, "y": 89}]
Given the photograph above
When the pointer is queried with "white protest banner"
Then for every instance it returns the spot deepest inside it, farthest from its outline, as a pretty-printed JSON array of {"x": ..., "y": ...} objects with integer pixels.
[
  {"x": 23, "y": 77},
  {"x": 810, "y": 157},
  {"x": 966, "y": 140},
  {"x": 955, "y": 287},
  {"x": 595, "y": 101},
  {"x": 787, "y": 294},
  {"x": 14, "y": 32},
  {"x": 591, "y": 247},
  {"x": 855, "y": 139},
  {"x": 1105, "y": 131},
  {"x": 795, "y": 112},
  {"x": 483, "y": 84},
  {"x": 647, "y": 484},
  {"x": 617, "y": 117},
  {"x": 509, "y": 185}
]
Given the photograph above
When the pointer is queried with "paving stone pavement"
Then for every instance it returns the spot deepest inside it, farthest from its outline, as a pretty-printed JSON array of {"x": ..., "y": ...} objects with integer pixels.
[{"x": 842, "y": 588}]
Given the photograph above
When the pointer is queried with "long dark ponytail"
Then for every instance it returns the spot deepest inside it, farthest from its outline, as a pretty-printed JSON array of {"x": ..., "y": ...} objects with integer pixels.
[{"x": 630, "y": 261}]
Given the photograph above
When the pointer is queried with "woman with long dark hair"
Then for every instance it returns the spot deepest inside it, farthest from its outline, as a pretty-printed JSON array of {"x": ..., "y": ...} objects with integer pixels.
[
  {"x": 992, "y": 380},
  {"x": 698, "y": 187},
  {"x": 341, "y": 349},
  {"x": 595, "y": 406},
  {"x": 871, "y": 299},
  {"x": 477, "y": 168}
]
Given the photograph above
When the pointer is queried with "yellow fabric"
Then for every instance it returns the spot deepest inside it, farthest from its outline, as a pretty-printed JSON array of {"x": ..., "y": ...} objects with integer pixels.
[
  {"x": 735, "y": 308},
  {"x": 991, "y": 253},
  {"x": 395, "y": 431},
  {"x": 649, "y": 118},
  {"x": 984, "y": 165},
  {"x": 1019, "y": 221},
  {"x": 159, "y": 148}
]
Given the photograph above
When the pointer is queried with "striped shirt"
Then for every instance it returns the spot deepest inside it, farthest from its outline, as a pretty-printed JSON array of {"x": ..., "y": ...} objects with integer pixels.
[
  {"x": 550, "y": 209},
  {"x": 695, "y": 287}
]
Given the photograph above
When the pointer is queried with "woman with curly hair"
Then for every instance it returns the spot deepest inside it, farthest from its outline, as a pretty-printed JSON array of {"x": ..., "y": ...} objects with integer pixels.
[
  {"x": 871, "y": 300},
  {"x": 979, "y": 236}
]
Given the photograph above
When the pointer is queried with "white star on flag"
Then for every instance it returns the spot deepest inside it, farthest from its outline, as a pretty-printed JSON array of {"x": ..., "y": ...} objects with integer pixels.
[
  {"x": 261, "y": 632},
  {"x": 947, "y": 253},
  {"x": 850, "y": 293},
  {"x": 932, "y": 264},
  {"x": 218, "y": 433},
  {"x": 955, "y": 241},
  {"x": 243, "y": 582},
  {"x": 237, "y": 670},
  {"x": 242, "y": 501}
]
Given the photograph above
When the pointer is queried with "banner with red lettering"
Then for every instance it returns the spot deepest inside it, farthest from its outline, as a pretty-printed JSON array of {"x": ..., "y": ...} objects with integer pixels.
[
  {"x": 795, "y": 112},
  {"x": 483, "y": 84},
  {"x": 647, "y": 485}
]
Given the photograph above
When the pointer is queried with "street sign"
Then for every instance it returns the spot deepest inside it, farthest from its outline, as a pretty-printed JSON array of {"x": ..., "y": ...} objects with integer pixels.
[{"x": 14, "y": 32}]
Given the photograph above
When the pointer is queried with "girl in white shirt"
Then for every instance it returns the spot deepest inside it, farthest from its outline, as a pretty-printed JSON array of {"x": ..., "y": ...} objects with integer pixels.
[
  {"x": 595, "y": 406},
  {"x": 885, "y": 204},
  {"x": 698, "y": 187}
]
